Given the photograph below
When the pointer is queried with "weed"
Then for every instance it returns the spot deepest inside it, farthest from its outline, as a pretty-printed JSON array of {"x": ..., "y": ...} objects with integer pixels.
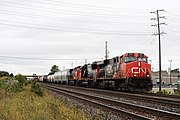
[
  {"x": 35, "y": 87},
  {"x": 26, "y": 105}
]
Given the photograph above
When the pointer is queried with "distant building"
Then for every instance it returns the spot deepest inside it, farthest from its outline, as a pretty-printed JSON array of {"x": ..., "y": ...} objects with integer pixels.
[{"x": 165, "y": 76}]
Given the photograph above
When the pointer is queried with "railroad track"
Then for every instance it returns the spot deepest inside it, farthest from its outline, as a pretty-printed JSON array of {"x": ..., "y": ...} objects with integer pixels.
[
  {"x": 162, "y": 95},
  {"x": 134, "y": 111},
  {"x": 165, "y": 103}
]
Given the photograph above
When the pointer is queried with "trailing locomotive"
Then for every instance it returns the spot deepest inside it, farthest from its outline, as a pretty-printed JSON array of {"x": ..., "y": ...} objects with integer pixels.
[{"x": 129, "y": 72}]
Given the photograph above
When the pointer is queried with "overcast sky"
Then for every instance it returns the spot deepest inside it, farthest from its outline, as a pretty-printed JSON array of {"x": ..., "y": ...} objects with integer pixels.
[{"x": 36, "y": 34}]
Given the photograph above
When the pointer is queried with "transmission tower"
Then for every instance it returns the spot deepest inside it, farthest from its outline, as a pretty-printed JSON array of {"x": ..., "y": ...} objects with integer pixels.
[{"x": 159, "y": 35}]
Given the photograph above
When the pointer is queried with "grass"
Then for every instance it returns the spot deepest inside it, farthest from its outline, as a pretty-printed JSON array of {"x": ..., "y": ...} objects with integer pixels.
[
  {"x": 26, "y": 105},
  {"x": 4, "y": 78}
]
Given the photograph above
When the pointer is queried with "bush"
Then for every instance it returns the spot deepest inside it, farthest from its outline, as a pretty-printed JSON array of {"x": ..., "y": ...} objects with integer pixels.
[
  {"x": 35, "y": 87},
  {"x": 29, "y": 82},
  {"x": 163, "y": 92},
  {"x": 21, "y": 79},
  {"x": 15, "y": 87},
  {"x": 1, "y": 84}
]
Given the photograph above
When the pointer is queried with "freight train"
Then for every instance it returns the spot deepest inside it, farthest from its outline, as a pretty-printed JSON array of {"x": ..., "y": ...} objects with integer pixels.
[{"x": 128, "y": 72}]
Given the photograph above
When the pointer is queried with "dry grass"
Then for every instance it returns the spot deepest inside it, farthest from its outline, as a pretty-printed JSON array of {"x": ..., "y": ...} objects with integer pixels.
[
  {"x": 4, "y": 78},
  {"x": 26, "y": 105}
]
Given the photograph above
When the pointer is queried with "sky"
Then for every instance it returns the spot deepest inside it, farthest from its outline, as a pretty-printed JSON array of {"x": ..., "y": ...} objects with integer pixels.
[{"x": 37, "y": 34}]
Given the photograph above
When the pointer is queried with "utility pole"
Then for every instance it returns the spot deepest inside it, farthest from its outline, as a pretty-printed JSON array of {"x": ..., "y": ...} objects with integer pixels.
[
  {"x": 159, "y": 34},
  {"x": 106, "y": 51},
  {"x": 170, "y": 71},
  {"x": 85, "y": 61},
  {"x": 72, "y": 64}
]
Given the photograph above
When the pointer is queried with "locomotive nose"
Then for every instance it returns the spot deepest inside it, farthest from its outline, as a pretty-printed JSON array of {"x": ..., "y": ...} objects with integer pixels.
[
  {"x": 139, "y": 70},
  {"x": 139, "y": 63}
]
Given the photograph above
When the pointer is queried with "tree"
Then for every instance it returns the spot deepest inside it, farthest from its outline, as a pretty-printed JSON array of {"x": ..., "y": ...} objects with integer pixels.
[
  {"x": 175, "y": 70},
  {"x": 4, "y": 73},
  {"x": 54, "y": 69},
  {"x": 11, "y": 75}
]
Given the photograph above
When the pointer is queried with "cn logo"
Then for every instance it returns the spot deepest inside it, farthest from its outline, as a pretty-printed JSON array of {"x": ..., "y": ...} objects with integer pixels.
[{"x": 137, "y": 70}]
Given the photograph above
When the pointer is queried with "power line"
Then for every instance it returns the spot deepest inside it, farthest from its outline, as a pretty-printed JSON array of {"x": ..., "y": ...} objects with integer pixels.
[
  {"x": 177, "y": 15},
  {"x": 27, "y": 58},
  {"x": 173, "y": 30},
  {"x": 12, "y": 4},
  {"x": 68, "y": 29},
  {"x": 86, "y": 6},
  {"x": 173, "y": 20},
  {"x": 172, "y": 38},
  {"x": 63, "y": 19}
]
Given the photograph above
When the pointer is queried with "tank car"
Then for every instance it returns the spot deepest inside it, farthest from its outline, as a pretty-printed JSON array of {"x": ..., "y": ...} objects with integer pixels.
[{"x": 62, "y": 76}]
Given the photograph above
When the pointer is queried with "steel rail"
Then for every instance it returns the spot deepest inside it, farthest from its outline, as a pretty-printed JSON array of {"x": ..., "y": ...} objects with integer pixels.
[
  {"x": 101, "y": 105},
  {"x": 156, "y": 112}
]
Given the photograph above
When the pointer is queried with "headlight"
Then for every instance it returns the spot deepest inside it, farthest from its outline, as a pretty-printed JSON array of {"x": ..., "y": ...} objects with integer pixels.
[
  {"x": 147, "y": 75},
  {"x": 139, "y": 63},
  {"x": 135, "y": 75}
]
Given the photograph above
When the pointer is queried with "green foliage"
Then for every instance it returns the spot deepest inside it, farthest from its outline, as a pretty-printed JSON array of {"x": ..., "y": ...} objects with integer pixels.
[
  {"x": 27, "y": 82},
  {"x": 21, "y": 79},
  {"x": 4, "y": 73},
  {"x": 35, "y": 87},
  {"x": 11, "y": 85},
  {"x": 54, "y": 69},
  {"x": 175, "y": 70},
  {"x": 4, "y": 78},
  {"x": 15, "y": 87},
  {"x": 11, "y": 75},
  {"x": 1, "y": 84}
]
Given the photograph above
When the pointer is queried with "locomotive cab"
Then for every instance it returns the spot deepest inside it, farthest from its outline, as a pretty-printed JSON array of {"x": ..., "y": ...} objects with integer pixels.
[{"x": 136, "y": 72}]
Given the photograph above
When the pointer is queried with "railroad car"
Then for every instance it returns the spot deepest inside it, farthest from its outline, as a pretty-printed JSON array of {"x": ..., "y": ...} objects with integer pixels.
[
  {"x": 45, "y": 78},
  {"x": 40, "y": 79},
  {"x": 128, "y": 72},
  {"x": 50, "y": 78},
  {"x": 62, "y": 76}
]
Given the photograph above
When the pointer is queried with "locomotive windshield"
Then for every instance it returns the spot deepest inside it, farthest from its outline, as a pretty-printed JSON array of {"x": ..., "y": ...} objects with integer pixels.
[
  {"x": 130, "y": 59},
  {"x": 143, "y": 59}
]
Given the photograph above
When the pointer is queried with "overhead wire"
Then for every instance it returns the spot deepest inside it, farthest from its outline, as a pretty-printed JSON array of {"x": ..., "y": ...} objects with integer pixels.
[
  {"x": 172, "y": 38},
  {"x": 69, "y": 29},
  {"x": 15, "y": 13},
  {"x": 55, "y": 2},
  {"x": 31, "y": 7},
  {"x": 174, "y": 14},
  {"x": 33, "y": 58},
  {"x": 170, "y": 19}
]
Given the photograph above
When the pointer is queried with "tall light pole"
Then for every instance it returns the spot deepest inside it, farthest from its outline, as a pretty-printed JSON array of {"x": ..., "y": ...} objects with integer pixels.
[{"x": 170, "y": 71}]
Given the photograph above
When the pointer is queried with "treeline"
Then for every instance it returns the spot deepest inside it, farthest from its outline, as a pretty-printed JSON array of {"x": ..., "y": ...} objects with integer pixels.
[
  {"x": 175, "y": 70},
  {"x": 5, "y": 73}
]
